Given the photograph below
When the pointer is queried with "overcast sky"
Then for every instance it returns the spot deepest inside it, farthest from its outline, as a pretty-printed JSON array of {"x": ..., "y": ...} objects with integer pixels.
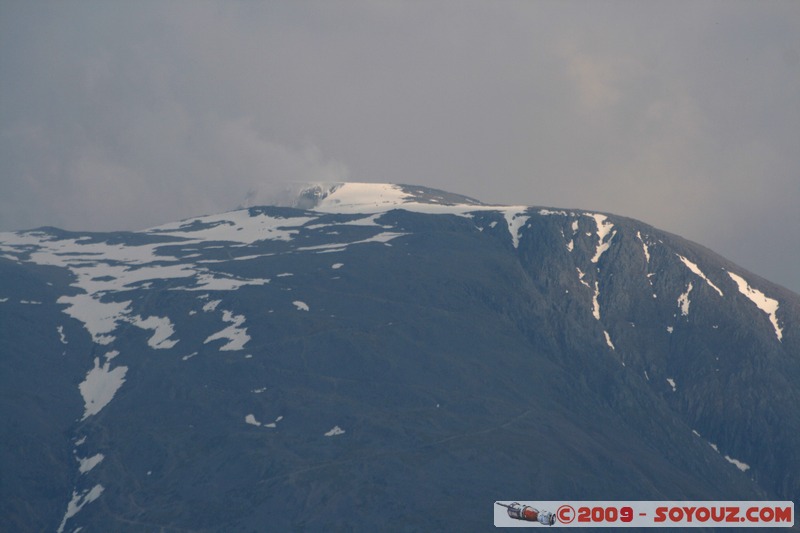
[{"x": 686, "y": 115}]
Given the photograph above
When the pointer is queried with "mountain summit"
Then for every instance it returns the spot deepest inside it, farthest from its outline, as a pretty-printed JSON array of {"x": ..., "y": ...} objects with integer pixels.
[
  {"x": 352, "y": 197},
  {"x": 370, "y": 351}
]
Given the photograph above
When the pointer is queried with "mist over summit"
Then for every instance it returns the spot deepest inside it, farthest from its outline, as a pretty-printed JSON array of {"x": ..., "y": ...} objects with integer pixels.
[
  {"x": 355, "y": 196},
  {"x": 352, "y": 352}
]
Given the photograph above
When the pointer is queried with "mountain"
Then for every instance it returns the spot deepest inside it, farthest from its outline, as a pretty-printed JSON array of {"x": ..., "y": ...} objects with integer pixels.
[{"x": 383, "y": 357}]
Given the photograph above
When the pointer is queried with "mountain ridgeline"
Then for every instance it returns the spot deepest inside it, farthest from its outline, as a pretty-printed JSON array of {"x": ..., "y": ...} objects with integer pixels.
[{"x": 383, "y": 351}]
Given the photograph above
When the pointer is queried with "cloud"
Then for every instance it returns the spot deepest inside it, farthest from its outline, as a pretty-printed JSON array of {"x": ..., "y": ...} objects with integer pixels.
[
  {"x": 596, "y": 80},
  {"x": 684, "y": 115},
  {"x": 248, "y": 154}
]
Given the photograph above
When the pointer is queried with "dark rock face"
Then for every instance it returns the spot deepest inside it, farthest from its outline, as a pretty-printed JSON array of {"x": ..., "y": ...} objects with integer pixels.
[{"x": 281, "y": 369}]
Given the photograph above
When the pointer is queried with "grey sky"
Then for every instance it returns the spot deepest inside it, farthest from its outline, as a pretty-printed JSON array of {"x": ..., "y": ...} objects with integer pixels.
[{"x": 686, "y": 115}]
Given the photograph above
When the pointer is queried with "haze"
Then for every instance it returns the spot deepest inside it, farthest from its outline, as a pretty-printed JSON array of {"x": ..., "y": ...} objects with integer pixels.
[{"x": 685, "y": 115}]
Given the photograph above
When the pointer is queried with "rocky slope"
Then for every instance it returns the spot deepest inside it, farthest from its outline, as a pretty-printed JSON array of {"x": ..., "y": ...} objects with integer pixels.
[{"x": 381, "y": 351}]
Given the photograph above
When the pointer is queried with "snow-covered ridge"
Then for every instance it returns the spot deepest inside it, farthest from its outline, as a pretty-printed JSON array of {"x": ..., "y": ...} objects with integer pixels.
[
  {"x": 372, "y": 198},
  {"x": 353, "y": 197}
]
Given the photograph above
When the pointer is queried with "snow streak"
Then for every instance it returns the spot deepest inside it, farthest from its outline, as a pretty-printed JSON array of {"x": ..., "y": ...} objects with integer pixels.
[
  {"x": 744, "y": 467},
  {"x": 78, "y": 501},
  {"x": 762, "y": 301},
  {"x": 696, "y": 270},
  {"x": 604, "y": 228},
  {"x": 645, "y": 248},
  {"x": 608, "y": 340}
]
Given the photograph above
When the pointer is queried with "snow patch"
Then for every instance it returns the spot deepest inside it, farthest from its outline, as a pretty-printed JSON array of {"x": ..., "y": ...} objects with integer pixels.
[
  {"x": 337, "y": 266},
  {"x": 100, "y": 386},
  {"x": 595, "y": 295},
  {"x": 249, "y": 257},
  {"x": 97, "y": 317},
  {"x": 684, "y": 302},
  {"x": 274, "y": 424},
  {"x": 335, "y": 430},
  {"x": 375, "y": 198},
  {"x": 251, "y": 419},
  {"x": 596, "y": 302},
  {"x": 383, "y": 237},
  {"x": 371, "y": 220},
  {"x": 716, "y": 448},
  {"x": 580, "y": 277},
  {"x": 77, "y": 503},
  {"x": 162, "y": 331},
  {"x": 301, "y": 306},
  {"x": 90, "y": 462},
  {"x": 762, "y": 301},
  {"x": 211, "y": 306},
  {"x": 208, "y": 281},
  {"x": 187, "y": 357},
  {"x": 672, "y": 384},
  {"x": 61, "y": 335},
  {"x": 236, "y": 226},
  {"x": 740, "y": 465},
  {"x": 360, "y": 197},
  {"x": 237, "y": 336},
  {"x": 515, "y": 220}
]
